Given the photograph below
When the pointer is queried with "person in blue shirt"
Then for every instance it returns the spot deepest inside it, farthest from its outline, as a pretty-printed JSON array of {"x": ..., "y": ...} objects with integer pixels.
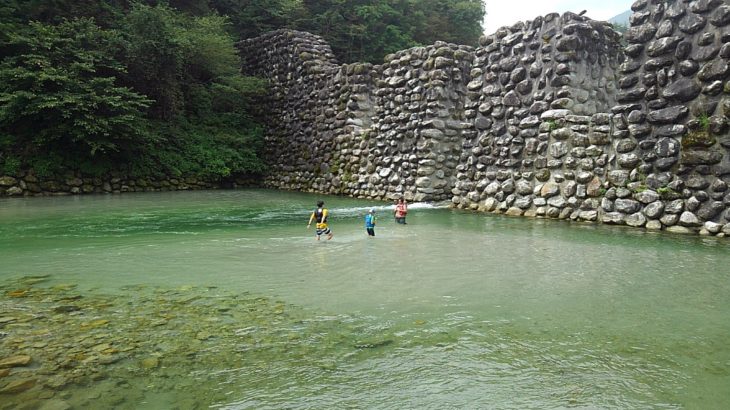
[{"x": 370, "y": 222}]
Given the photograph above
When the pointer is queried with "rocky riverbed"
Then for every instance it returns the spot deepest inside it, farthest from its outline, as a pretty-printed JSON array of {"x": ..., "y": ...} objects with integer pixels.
[
  {"x": 142, "y": 347},
  {"x": 63, "y": 348}
]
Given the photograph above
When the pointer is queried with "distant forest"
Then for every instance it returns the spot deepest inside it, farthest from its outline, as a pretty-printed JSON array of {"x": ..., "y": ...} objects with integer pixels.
[{"x": 153, "y": 88}]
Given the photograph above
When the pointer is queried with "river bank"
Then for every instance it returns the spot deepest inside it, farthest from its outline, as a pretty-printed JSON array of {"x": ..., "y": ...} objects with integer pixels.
[{"x": 25, "y": 184}]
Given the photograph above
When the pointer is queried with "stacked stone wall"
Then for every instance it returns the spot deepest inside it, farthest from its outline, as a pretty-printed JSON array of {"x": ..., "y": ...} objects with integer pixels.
[
  {"x": 654, "y": 151},
  {"x": 552, "y": 117},
  {"x": 671, "y": 124},
  {"x": 535, "y": 149},
  {"x": 555, "y": 117},
  {"x": 75, "y": 183},
  {"x": 380, "y": 131}
]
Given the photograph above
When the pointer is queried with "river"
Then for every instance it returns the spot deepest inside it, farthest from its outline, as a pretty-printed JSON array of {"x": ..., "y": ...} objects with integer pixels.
[{"x": 223, "y": 299}]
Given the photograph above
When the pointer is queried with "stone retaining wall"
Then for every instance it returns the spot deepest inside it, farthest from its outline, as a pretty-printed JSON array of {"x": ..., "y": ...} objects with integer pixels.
[
  {"x": 28, "y": 184},
  {"x": 552, "y": 117},
  {"x": 537, "y": 149},
  {"x": 379, "y": 131}
]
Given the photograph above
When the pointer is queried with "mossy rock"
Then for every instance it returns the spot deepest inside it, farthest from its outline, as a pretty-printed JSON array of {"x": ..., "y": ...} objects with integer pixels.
[
  {"x": 699, "y": 138},
  {"x": 359, "y": 68},
  {"x": 667, "y": 193},
  {"x": 444, "y": 52}
]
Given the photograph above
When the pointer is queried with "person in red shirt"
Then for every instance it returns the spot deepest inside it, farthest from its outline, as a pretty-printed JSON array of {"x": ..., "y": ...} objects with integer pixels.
[{"x": 401, "y": 209}]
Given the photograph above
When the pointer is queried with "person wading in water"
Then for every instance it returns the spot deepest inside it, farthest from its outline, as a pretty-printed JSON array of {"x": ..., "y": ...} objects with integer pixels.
[
  {"x": 401, "y": 209},
  {"x": 370, "y": 222},
  {"x": 320, "y": 216}
]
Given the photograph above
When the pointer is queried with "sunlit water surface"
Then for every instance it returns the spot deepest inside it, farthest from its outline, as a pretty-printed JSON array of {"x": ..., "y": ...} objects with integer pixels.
[{"x": 454, "y": 310}]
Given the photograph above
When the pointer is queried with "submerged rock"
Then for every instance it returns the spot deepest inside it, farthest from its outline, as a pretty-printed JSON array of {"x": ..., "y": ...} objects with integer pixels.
[
  {"x": 18, "y": 386},
  {"x": 55, "y": 405},
  {"x": 66, "y": 309},
  {"x": 15, "y": 361},
  {"x": 373, "y": 344},
  {"x": 150, "y": 363}
]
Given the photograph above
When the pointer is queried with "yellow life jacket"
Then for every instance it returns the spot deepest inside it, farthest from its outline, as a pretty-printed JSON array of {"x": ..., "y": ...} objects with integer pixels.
[{"x": 320, "y": 216}]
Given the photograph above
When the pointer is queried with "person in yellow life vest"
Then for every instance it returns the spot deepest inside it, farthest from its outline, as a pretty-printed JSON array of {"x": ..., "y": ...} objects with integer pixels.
[{"x": 320, "y": 216}]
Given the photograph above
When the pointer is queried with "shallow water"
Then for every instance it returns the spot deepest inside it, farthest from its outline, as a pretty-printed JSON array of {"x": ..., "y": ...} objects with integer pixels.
[{"x": 453, "y": 310}]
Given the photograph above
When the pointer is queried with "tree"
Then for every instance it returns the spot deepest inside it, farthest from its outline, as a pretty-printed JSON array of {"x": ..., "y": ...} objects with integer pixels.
[
  {"x": 190, "y": 66},
  {"x": 160, "y": 93},
  {"x": 192, "y": 7},
  {"x": 251, "y": 18},
  {"x": 154, "y": 58},
  {"x": 454, "y": 21},
  {"x": 59, "y": 93},
  {"x": 367, "y": 30},
  {"x": 105, "y": 13}
]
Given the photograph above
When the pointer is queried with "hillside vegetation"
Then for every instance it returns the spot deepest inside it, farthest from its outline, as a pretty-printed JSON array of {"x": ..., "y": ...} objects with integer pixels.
[{"x": 154, "y": 87}]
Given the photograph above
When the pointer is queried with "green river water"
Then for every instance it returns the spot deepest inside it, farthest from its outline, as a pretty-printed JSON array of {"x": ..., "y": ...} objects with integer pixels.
[{"x": 223, "y": 299}]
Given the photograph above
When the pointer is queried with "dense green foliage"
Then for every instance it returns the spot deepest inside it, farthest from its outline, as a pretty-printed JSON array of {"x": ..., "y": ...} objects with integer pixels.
[
  {"x": 357, "y": 30},
  {"x": 362, "y": 30},
  {"x": 153, "y": 87},
  {"x": 58, "y": 91},
  {"x": 366, "y": 30},
  {"x": 157, "y": 93}
]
